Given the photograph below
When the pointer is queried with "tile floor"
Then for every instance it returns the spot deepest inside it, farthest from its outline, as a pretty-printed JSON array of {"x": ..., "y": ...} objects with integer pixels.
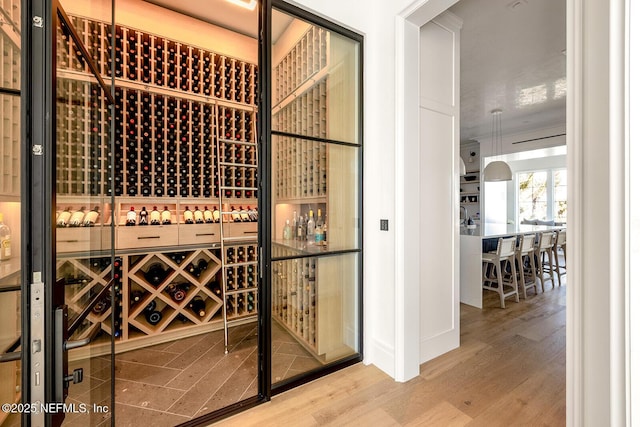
[{"x": 168, "y": 384}]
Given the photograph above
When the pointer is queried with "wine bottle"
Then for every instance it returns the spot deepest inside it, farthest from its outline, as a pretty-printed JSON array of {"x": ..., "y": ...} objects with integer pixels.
[
  {"x": 244, "y": 216},
  {"x": 177, "y": 292},
  {"x": 154, "y": 217},
  {"x": 101, "y": 306},
  {"x": 202, "y": 265},
  {"x": 208, "y": 216},
  {"x": 286, "y": 231},
  {"x": 235, "y": 215},
  {"x": 198, "y": 306},
  {"x": 131, "y": 217},
  {"x": 187, "y": 215},
  {"x": 136, "y": 297},
  {"x": 155, "y": 274},
  {"x": 144, "y": 217},
  {"x": 198, "y": 216},
  {"x": 91, "y": 217},
  {"x": 166, "y": 216},
  {"x": 77, "y": 217},
  {"x": 5, "y": 240},
  {"x": 216, "y": 214},
  {"x": 153, "y": 317},
  {"x": 63, "y": 218}
]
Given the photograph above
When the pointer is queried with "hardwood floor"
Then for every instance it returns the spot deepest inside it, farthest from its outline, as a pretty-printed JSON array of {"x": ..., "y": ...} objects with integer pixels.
[{"x": 508, "y": 371}]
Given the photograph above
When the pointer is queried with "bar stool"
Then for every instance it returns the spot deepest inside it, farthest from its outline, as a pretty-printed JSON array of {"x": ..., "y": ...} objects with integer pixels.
[
  {"x": 544, "y": 246},
  {"x": 525, "y": 253},
  {"x": 560, "y": 244},
  {"x": 495, "y": 271}
]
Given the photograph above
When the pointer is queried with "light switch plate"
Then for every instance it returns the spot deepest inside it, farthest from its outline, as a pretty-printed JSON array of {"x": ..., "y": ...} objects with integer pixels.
[{"x": 384, "y": 224}]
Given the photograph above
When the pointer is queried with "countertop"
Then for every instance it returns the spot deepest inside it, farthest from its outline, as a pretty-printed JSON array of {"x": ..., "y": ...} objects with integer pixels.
[{"x": 500, "y": 230}]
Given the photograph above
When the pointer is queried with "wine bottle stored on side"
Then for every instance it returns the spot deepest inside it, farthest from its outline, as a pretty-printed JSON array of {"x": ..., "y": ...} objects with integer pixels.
[
  {"x": 91, "y": 217},
  {"x": 198, "y": 306},
  {"x": 77, "y": 217},
  {"x": 155, "y": 274},
  {"x": 63, "y": 218}
]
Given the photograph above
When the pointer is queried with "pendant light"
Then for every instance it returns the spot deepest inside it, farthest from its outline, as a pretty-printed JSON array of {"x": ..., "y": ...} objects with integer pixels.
[
  {"x": 463, "y": 168},
  {"x": 497, "y": 170}
]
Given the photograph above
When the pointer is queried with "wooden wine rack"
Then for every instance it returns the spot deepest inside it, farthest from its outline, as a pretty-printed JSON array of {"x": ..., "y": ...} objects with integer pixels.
[
  {"x": 85, "y": 278},
  {"x": 294, "y": 295},
  {"x": 175, "y": 314},
  {"x": 182, "y": 115},
  {"x": 302, "y": 62},
  {"x": 241, "y": 281}
]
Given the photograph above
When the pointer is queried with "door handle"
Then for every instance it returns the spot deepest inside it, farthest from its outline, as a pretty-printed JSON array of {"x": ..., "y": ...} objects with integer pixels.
[{"x": 10, "y": 357}]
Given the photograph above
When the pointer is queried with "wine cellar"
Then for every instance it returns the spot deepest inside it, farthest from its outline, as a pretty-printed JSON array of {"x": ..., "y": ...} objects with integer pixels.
[
  {"x": 154, "y": 192},
  {"x": 184, "y": 177}
]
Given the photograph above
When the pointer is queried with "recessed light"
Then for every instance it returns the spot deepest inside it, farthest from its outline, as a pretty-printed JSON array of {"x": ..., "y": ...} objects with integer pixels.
[{"x": 247, "y": 4}]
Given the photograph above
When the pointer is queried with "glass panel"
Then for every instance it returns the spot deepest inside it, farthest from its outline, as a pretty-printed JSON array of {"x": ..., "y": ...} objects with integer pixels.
[
  {"x": 314, "y": 310},
  {"x": 84, "y": 245},
  {"x": 185, "y": 154},
  {"x": 315, "y": 81},
  {"x": 316, "y": 191},
  {"x": 560, "y": 195},
  {"x": 532, "y": 196},
  {"x": 10, "y": 205},
  {"x": 315, "y": 188}
]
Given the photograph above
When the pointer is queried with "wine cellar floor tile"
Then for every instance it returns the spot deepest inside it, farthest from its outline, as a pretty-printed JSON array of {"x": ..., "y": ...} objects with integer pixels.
[{"x": 172, "y": 382}]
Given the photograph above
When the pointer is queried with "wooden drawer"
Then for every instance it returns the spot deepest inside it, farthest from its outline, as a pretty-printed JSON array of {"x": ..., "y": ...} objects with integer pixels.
[
  {"x": 243, "y": 230},
  {"x": 191, "y": 234},
  {"x": 147, "y": 236},
  {"x": 82, "y": 239}
]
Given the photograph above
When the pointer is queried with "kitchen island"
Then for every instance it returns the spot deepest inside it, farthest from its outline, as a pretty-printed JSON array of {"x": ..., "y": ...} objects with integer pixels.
[{"x": 472, "y": 241}]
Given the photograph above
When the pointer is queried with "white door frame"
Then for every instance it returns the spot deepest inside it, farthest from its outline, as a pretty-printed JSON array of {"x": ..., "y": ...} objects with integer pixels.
[{"x": 582, "y": 391}]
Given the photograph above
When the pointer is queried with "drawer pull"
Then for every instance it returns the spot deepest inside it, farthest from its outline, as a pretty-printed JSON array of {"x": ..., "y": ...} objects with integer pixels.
[
  {"x": 69, "y": 241},
  {"x": 205, "y": 234},
  {"x": 148, "y": 237},
  {"x": 250, "y": 232}
]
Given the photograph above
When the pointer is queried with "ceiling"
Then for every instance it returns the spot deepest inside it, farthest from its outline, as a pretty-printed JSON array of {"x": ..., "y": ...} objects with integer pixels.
[
  {"x": 511, "y": 57},
  {"x": 227, "y": 15}
]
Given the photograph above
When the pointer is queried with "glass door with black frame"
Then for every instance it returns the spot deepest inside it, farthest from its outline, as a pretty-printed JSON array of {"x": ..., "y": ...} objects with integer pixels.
[
  {"x": 87, "y": 271},
  {"x": 10, "y": 207}
]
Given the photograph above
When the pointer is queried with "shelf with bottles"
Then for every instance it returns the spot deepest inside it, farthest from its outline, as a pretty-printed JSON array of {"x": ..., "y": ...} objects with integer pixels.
[
  {"x": 294, "y": 296},
  {"x": 240, "y": 280},
  {"x": 82, "y": 224},
  {"x": 240, "y": 305},
  {"x": 160, "y": 62},
  {"x": 82, "y": 139},
  {"x": 84, "y": 279},
  {"x": 301, "y": 63},
  {"x": 171, "y": 290}
]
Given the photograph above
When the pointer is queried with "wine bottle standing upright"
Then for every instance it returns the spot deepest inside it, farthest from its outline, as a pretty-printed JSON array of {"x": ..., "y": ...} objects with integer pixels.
[
  {"x": 132, "y": 217},
  {"x": 144, "y": 217},
  {"x": 311, "y": 228},
  {"x": 154, "y": 218},
  {"x": 165, "y": 217}
]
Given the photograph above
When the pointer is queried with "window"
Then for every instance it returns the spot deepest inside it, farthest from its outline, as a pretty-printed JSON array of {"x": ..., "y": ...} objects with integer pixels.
[{"x": 542, "y": 194}]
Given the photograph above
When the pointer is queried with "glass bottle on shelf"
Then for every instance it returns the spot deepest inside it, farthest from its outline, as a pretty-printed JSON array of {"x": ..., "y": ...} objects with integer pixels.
[
  {"x": 5, "y": 240},
  {"x": 154, "y": 217},
  {"x": 187, "y": 215},
  {"x": 216, "y": 214},
  {"x": 235, "y": 214},
  {"x": 198, "y": 216},
  {"x": 63, "y": 218},
  {"x": 144, "y": 217},
  {"x": 286, "y": 232},
  {"x": 244, "y": 215},
  {"x": 131, "y": 217},
  {"x": 91, "y": 217},
  {"x": 208, "y": 216},
  {"x": 165, "y": 217},
  {"x": 311, "y": 227},
  {"x": 77, "y": 217}
]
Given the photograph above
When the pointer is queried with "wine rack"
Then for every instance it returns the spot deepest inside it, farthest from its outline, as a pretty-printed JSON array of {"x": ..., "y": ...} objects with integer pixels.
[
  {"x": 240, "y": 279},
  {"x": 182, "y": 288},
  {"x": 294, "y": 294},
  {"x": 307, "y": 57},
  {"x": 85, "y": 278}
]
